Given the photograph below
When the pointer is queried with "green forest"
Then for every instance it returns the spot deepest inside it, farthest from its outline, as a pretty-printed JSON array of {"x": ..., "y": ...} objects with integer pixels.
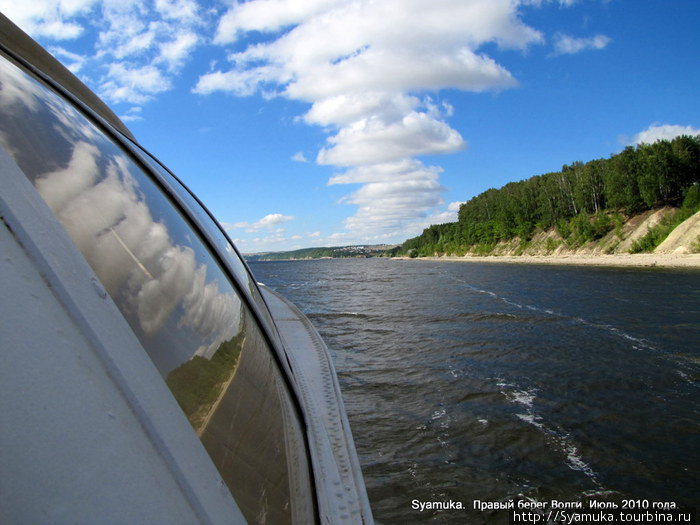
[{"x": 583, "y": 201}]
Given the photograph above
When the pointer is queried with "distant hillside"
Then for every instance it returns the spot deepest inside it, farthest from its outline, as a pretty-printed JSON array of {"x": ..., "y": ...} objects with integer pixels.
[
  {"x": 331, "y": 252},
  {"x": 645, "y": 232},
  {"x": 577, "y": 206}
]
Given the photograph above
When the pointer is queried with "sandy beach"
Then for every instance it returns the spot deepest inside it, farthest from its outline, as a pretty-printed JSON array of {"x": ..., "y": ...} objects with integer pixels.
[{"x": 650, "y": 260}]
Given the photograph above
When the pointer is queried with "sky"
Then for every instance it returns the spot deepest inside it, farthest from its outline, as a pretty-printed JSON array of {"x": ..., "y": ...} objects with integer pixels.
[{"x": 306, "y": 123}]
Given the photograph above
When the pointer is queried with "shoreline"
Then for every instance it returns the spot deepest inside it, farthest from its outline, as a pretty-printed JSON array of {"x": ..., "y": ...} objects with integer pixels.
[{"x": 638, "y": 260}]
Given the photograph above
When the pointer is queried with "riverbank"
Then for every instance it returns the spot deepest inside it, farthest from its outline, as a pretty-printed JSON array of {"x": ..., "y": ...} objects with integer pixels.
[{"x": 649, "y": 260}]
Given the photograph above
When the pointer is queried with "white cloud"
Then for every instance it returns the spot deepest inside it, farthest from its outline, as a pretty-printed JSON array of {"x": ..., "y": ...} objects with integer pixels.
[
  {"x": 339, "y": 236},
  {"x": 658, "y": 131},
  {"x": 144, "y": 44},
  {"x": 73, "y": 61},
  {"x": 265, "y": 15},
  {"x": 271, "y": 220},
  {"x": 398, "y": 70},
  {"x": 299, "y": 157},
  {"x": 186, "y": 11},
  {"x": 365, "y": 66},
  {"x": 340, "y": 47},
  {"x": 347, "y": 108},
  {"x": 269, "y": 242},
  {"x": 406, "y": 169},
  {"x": 48, "y": 18},
  {"x": 268, "y": 222},
  {"x": 564, "y": 3},
  {"x": 373, "y": 141},
  {"x": 133, "y": 114},
  {"x": 137, "y": 48},
  {"x": 442, "y": 217},
  {"x": 174, "y": 52},
  {"x": 569, "y": 45},
  {"x": 394, "y": 198},
  {"x": 136, "y": 85}
]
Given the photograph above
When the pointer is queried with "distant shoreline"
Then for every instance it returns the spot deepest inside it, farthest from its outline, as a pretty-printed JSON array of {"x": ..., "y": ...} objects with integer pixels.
[{"x": 643, "y": 260}]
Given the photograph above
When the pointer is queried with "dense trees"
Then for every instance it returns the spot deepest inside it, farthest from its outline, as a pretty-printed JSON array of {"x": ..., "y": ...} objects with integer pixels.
[{"x": 580, "y": 200}]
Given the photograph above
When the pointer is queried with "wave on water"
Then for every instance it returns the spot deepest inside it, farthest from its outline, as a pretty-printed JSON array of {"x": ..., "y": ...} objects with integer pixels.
[
  {"x": 687, "y": 370},
  {"x": 438, "y": 414},
  {"x": 337, "y": 315},
  {"x": 638, "y": 343},
  {"x": 561, "y": 439}
]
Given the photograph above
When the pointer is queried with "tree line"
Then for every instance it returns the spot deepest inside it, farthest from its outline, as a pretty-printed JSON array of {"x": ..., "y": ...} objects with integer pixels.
[{"x": 583, "y": 201}]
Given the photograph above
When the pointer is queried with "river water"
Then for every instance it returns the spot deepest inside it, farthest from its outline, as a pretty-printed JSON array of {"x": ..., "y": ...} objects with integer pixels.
[{"x": 468, "y": 381}]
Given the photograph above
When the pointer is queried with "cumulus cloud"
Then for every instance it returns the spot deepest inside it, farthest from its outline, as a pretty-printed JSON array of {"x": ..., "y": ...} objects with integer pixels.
[
  {"x": 385, "y": 208},
  {"x": 143, "y": 44},
  {"x": 373, "y": 141},
  {"x": 137, "y": 85},
  {"x": 138, "y": 47},
  {"x": 299, "y": 157},
  {"x": 405, "y": 169},
  {"x": 268, "y": 222},
  {"x": 339, "y": 47},
  {"x": 347, "y": 108},
  {"x": 365, "y": 68},
  {"x": 563, "y": 3},
  {"x": 173, "y": 53},
  {"x": 48, "y": 18},
  {"x": 133, "y": 114},
  {"x": 393, "y": 197},
  {"x": 73, "y": 61},
  {"x": 658, "y": 131},
  {"x": 569, "y": 45},
  {"x": 444, "y": 216}
]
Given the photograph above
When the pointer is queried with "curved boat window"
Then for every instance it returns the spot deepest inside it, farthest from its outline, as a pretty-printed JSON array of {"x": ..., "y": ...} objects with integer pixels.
[{"x": 180, "y": 304}]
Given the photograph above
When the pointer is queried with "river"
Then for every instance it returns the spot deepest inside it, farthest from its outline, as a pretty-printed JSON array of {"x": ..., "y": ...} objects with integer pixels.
[{"x": 468, "y": 381}]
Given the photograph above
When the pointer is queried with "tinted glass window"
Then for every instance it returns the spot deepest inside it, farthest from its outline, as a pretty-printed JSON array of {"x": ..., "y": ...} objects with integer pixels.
[{"x": 181, "y": 305}]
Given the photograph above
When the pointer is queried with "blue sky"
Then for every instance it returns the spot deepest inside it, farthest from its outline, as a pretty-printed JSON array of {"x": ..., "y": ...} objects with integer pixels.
[{"x": 332, "y": 122}]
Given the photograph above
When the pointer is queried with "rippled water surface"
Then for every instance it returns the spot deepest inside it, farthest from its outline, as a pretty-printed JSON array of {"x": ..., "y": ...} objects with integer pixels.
[{"x": 481, "y": 381}]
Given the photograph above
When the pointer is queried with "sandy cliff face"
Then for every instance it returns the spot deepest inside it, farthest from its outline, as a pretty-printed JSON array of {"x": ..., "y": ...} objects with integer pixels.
[
  {"x": 638, "y": 226},
  {"x": 684, "y": 239}
]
